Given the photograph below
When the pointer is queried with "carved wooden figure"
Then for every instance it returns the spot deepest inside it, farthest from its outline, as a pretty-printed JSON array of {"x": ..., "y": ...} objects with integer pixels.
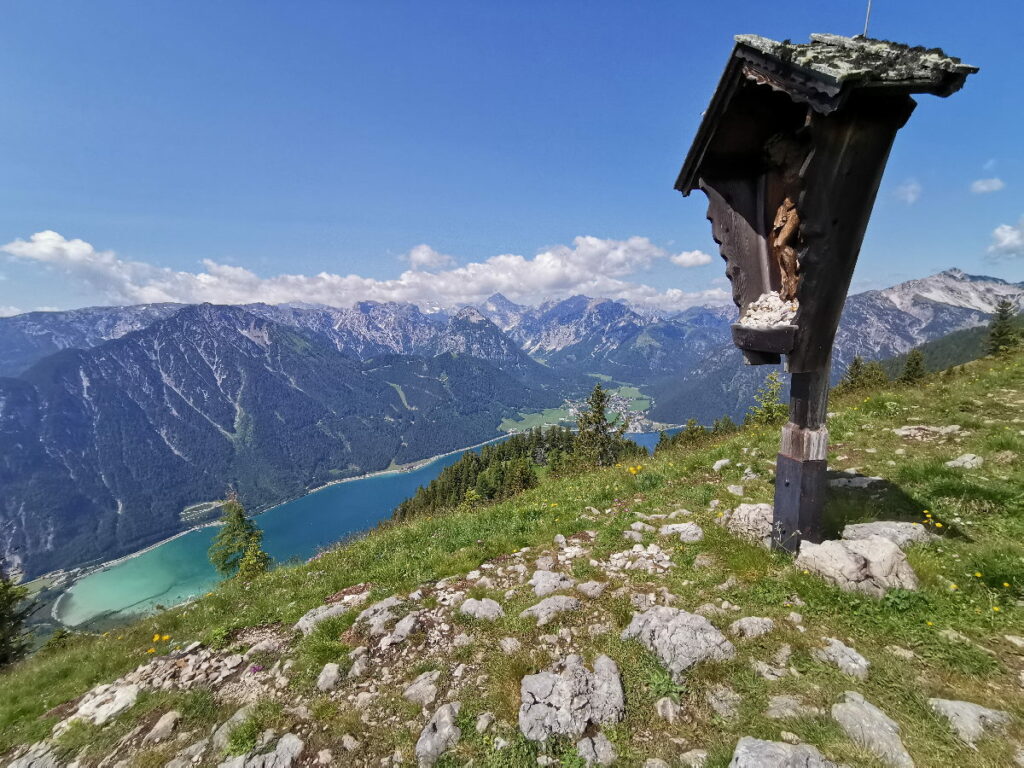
[{"x": 790, "y": 154}]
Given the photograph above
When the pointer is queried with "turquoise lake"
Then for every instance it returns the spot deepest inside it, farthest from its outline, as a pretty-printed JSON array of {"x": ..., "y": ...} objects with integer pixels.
[{"x": 178, "y": 570}]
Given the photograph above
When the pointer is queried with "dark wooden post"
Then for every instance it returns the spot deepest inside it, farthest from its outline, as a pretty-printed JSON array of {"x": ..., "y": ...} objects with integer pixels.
[{"x": 790, "y": 155}]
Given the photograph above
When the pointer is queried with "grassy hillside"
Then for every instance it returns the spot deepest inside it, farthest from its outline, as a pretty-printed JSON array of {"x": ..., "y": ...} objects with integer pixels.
[
  {"x": 955, "y": 348},
  {"x": 951, "y": 631}
]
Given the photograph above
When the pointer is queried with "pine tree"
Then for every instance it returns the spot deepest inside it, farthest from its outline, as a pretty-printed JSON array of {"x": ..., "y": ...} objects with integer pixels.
[
  {"x": 254, "y": 561},
  {"x": 233, "y": 538},
  {"x": 597, "y": 439},
  {"x": 853, "y": 379},
  {"x": 1002, "y": 336},
  {"x": 723, "y": 426},
  {"x": 770, "y": 410},
  {"x": 15, "y": 609},
  {"x": 913, "y": 368},
  {"x": 874, "y": 376}
]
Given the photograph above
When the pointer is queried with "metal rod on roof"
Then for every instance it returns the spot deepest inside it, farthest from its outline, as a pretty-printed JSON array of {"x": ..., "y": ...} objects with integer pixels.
[{"x": 867, "y": 18}]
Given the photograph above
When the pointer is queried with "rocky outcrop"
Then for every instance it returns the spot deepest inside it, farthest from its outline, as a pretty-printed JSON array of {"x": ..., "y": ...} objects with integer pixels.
[
  {"x": 486, "y": 609},
  {"x": 970, "y": 721},
  {"x": 750, "y": 521},
  {"x": 440, "y": 734},
  {"x": 679, "y": 639},
  {"x": 872, "y": 565},
  {"x": 840, "y": 655},
  {"x": 899, "y": 533},
  {"x": 869, "y": 727},
  {"x": 751, "y": 626},
  {"x": 286, "y": 753},
  {"x": 548, "y": 582},
  {"x": 568, "y": 698},
  {"x": 756, "y": 753},
  {"x": 548, "y": 608}
]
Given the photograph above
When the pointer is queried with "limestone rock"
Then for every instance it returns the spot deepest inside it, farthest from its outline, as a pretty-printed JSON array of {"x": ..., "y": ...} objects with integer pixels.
[
  {"x": 756, "y": 753},
  {"x": 869, "y": 727},
  {"x": 688, "y": 532},
  {"x": 724, "y": 701},
  {"x": 189, "y": 756},
  {"x": 694, "y": 758},
  {"x": 751, "y": 626},
  {"x": 596, "y": 750},
  {"x": 785, "y": 707},
  {"x": 667, "y": 709},
  {"x": 568, "y": 698},
  {"x": 164, "y": 727},
  {"x": 423, "y": 689},
  {"x": 104, "y": 702},
  {"x": 592, "y": 589},
  {"x": 898, "y": 532},
  {"x": 379, "y": 615},
  {"x": 308, "y": 622},
  {"x": 439, "y": 735},
  {"x": 679, "y": 639},
  {"x": 484, "y": 721},
  {"x": 872, "y": 565},
  {"x": 655, "y": 762},
  {"x": 402, "y": 630},
  {"x": 548, "y": 608},
  {"x": 486, "y": 609},
  {"x": 719, "y": 465},
  {"x": 329, "y": 677},
  {"x": 966, "y": 461},
  {"x": 750, "y": 521},
  {"x": 40, "y": 755},
  {"x": 509, "y": 645},
  {"x": 286, "y": 753},
  {"x": 547, "y": 582},
  {"x": 970, "y": 721},
  {"x": 221, "y": 735},
  {"x": 843, "y": 656}
]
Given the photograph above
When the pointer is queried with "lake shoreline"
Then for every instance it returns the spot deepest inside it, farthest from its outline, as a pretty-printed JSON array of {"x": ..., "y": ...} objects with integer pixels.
[{"x": 86, "y": 571}]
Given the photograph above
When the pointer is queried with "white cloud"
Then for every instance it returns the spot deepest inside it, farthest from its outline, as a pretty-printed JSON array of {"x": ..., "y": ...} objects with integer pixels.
[
  {"x": 981, "y": 186},
  {"x": 7, "y": 310},
  {"x": 423, "y": 257},
  {"x": 1008, "y": 240},
  {"x": 909, "y": 191},
  {"x": 591, "y": 265},
  {"x": 690, "y": 259}
]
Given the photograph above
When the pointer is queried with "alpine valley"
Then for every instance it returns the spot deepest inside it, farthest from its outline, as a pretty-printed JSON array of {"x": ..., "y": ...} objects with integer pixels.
[{"x": 119, "y": 425}]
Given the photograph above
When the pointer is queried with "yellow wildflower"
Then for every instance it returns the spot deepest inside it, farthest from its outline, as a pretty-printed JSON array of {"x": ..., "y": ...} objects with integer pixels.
[
  {"x": 930, "y": 623},
  {"x": 996, "y": 608},
  {"x": 165, "y": 638},
  {"x": 151, "y": 650},
  {"x": 952, "y": 586},
  {"x": 1006, "y": 584},
  {"x": 977, "y": 574},
  {"x": 156, "y": 638},
  {"x": 938, "y": 525}
]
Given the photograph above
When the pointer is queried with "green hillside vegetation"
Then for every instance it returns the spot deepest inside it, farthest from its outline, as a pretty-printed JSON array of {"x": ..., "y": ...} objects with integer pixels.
[
  {"x": 953, "y": 628},
  {"x": 955, "y": 348}
]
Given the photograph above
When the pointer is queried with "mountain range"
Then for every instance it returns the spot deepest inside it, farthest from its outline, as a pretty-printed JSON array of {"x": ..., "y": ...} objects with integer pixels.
[{"x": 117, "y": 423}]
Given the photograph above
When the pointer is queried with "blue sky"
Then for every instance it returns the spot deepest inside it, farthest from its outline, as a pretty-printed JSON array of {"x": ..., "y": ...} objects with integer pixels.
[{"x": 196, "y": 150}]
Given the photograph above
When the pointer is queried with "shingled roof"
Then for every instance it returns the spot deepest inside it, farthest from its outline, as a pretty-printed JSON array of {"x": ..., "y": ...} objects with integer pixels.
[{"x": 823, "y": 74}]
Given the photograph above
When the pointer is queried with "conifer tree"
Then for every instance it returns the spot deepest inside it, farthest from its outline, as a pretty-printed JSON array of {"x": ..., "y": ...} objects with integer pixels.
[
  {"x": 597, "y": 439},
  {"x": 913, "y": 368},
  {"x": 15, "y": 609},
  {"x": 874, "y": 376},
  {"x": 853, "y": 379},
  {"x": 770, "y": 410},
  {"x": 254, "y": 561},
  {"x": 723, "y": 426},
  {"x": 1002, "y": 336},
  {"x": 234, "y": 537}
]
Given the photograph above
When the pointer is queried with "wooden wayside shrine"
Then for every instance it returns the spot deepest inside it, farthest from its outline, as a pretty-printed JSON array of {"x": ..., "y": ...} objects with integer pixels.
[{"x": 790, "y": 154}]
